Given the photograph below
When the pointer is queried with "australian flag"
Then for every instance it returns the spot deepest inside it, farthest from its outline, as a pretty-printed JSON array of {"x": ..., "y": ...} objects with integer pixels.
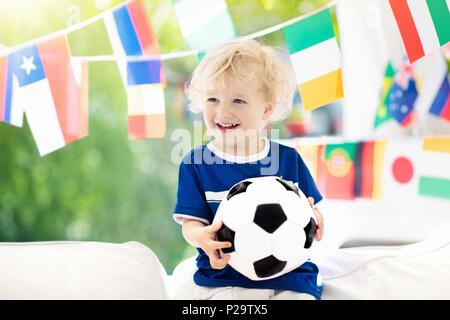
[{"x": 402, "y": 96}]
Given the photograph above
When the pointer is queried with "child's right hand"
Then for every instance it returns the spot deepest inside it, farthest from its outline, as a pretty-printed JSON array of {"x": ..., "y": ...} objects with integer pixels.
[{"x": 206, "y": 238}]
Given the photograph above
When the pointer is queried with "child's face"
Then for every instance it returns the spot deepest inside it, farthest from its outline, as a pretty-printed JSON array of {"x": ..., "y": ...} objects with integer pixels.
[{"x": 242, "y": 104}]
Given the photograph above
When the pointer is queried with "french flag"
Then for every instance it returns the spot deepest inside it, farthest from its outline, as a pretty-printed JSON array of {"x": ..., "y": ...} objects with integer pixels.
[
  {"x": 53, "y": 93},
  {"x": 10, "y": 110}
]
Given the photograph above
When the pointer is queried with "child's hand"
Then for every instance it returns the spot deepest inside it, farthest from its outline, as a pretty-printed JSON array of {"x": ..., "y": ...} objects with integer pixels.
[
  {"x": 319, "y": 219},
  {"x": 207, "y": 241}
]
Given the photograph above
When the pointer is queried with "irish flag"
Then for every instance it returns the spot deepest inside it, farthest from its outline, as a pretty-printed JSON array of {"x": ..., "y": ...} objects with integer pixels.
[
  {"x": 316, "y": 59},
  {"x": 424, "y": 25},
  {"x": 434, "y": 180},
  {"x": 53, "y": 93}
]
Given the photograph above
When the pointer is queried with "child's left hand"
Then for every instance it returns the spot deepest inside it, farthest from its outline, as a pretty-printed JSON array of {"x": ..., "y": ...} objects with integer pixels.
[{"x": 319, "y": 219}]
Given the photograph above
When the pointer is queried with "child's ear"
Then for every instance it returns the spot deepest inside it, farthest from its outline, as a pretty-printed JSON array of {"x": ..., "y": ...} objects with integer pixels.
[{"x": 268, "y": 111}]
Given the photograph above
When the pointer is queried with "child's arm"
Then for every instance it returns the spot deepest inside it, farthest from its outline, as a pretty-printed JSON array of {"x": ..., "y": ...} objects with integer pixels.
[
  {"x": 202, "y": 236},
  {"x": 319, "y": 218}
]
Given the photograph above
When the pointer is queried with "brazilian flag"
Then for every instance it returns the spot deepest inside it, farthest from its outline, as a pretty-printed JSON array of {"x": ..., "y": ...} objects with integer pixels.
[{"x": 383, "y": 113}]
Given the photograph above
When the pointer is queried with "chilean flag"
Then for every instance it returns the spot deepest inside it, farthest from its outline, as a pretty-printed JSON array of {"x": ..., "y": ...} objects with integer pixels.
[
  {"x": 53, "y": 93},
  {"x": 10, "y": 110}
]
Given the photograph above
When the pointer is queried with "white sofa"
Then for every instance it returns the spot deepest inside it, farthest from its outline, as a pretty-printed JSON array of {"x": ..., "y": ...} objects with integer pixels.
[
  {"x": 80, "y": 270},
  {"x": 369, "y": 251}
]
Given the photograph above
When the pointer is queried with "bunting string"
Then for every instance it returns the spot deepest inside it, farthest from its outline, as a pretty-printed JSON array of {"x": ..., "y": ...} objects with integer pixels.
[
  {"x": 166, "y": 56},
  {"x": 66, "y": 31},
  {"x": 27, "y": 72}
]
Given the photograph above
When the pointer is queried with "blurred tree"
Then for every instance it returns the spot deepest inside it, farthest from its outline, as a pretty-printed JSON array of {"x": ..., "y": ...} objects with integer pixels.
[{"x": 106, "y": 187}]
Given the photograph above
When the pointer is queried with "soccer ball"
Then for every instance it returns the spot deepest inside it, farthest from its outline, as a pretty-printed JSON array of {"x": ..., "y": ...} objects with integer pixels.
[{"x": 270, "y": 224}]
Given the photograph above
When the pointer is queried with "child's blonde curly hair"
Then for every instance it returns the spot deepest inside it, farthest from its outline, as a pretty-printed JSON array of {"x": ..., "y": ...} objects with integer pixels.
[{"x": 278, "y": 81}]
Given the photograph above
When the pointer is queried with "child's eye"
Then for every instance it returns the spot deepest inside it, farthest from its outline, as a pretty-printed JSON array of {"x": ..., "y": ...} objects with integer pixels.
[
  {"x": 212, "y": 100},
  {"x": 239, "y": 101}
]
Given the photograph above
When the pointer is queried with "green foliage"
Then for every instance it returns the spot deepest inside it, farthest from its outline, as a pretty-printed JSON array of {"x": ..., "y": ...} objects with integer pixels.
[{"x": 106, "y": 187}]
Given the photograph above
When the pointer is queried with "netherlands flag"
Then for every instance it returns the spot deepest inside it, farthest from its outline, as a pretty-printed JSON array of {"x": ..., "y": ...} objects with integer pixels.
[
  {"x": 10, "y": 110},
  {"x": 146, "y": 106},
  {"x": 53, "y": 93}
]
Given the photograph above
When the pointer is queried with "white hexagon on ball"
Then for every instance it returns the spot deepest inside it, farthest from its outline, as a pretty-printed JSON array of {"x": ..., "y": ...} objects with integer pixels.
[
  {"x": 288, "y": 242},
  {"x": 297, "y": 209},
  {"x": 252, "y": 242},
  {"x": 242, "y": 211}
]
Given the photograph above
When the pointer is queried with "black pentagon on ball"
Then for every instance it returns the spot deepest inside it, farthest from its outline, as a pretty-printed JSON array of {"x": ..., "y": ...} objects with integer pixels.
[
  {"x": 238, "y": 188},
  {"x": 268, "y": 266},
  {"x": 269, "y": 216},
  {"x": 310, "y": 231},
  {"x": 226, "y": 234},
  {"x": 289, "y": 185}
]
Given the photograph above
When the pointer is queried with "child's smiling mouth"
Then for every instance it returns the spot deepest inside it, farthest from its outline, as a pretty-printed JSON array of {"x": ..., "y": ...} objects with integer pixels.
[{"x": 224, "y": 127}]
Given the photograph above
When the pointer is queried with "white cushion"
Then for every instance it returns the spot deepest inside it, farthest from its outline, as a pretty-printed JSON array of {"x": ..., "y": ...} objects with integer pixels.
[
  {"x": 80, "y": 270},
  {"x": 413, "y": 271}
]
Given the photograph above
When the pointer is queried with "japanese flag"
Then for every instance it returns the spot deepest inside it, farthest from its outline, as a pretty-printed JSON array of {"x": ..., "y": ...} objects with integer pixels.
[{"x": 400, "y": 169}]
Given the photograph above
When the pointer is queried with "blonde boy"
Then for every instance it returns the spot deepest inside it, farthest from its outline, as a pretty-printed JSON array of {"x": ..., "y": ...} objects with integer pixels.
[{"x": 239, "y": 87}]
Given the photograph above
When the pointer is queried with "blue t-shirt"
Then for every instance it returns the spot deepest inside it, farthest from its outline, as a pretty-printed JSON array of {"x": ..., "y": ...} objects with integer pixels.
[{"x": 206, "y": 174}]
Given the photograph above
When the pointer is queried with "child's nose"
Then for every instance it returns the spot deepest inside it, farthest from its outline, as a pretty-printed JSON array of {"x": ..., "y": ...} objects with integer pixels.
[{"x": 224, "y": 111}]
